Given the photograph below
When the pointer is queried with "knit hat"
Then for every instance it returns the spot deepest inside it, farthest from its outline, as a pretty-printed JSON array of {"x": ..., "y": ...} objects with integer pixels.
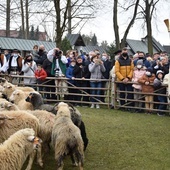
[
  {"x": 139, "y": 62},
  {"x": 149, "y": 69},
  {"x": 159, "y": 71}
]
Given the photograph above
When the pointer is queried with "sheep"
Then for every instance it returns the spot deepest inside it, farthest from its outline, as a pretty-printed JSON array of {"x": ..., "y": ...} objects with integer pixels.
[
  {"x": 66, "y": 137},
  {"x": 46, "y": 120},
  {"x": 12, "y": 121},
  {"x": 6, "y": 105},
  {"x": 15, "y": 150},
  {"x": 37, "y": 101},
  {"x": 18, "y": 97},
  {"x": 8, "y": 89}
]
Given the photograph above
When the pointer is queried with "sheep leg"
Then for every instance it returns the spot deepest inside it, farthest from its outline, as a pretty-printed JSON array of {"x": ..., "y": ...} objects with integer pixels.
[
  {"x": 31, "y": 159},
  {"x": 80, "y": 160},
  {"x": 60, "y": 163},
  {"x": 73, "y": 160},
  {"x": 39, "y": 157}
]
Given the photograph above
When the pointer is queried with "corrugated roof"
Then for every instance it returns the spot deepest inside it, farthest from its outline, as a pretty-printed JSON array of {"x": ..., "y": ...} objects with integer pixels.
[
  {"x": 87, "y": 49},
  {"x": 75, "y": 39},
  {"x": 141, "y": 45},
  {"x": 23, "y": 44}
]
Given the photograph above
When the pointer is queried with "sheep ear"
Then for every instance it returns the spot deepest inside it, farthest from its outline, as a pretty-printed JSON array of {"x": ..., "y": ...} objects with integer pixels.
[{"x": 30, "y": 138}]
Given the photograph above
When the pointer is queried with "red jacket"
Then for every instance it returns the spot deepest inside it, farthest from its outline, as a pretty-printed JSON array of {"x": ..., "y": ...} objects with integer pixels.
[{"x": 40, "y": 74}]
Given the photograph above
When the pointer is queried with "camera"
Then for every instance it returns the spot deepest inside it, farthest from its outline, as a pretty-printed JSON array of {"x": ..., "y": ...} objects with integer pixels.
[
  {"x": 58, "y": 54},
  {"x": 57, "y": 72}
]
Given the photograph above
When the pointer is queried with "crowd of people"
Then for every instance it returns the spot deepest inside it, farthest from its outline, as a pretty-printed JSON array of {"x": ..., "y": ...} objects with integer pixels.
[{"x": 139, "y": 75}]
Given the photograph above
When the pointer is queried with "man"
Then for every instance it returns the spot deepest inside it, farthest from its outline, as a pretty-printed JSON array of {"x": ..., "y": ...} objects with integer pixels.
[
  {"x": 58, "y": 69},
  {"x": 42, "y": 55},
  {"x": 124, "y": 71},
  {"x": 141, "y": 56},
  {"x": 14, "y": 65}
]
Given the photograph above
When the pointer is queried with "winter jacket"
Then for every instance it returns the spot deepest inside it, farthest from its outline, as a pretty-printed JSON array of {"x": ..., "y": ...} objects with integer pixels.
[
  {"x": 29, "y": 71},
  {"x": 69, "y": 74},
  {"x": 96, "y": 71},
  {"x": 124, "y": 68},
  {"x": 40, "y": 75},
  {"x": 158, "y": 86},
  {"x": 147, "y": 88},
  {"x": 137, "y": 74}
]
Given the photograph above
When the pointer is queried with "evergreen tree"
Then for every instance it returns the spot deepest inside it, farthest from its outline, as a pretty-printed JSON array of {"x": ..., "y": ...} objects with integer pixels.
[
  {"x": 36, "y": 37},
  {"x": 104, "y": 44},
  {"x": 32, "y": 33},
  {"x": 111, "y": 49},
  {"x": 94, "y": 40},
  {"x": 65, "y": 45}
]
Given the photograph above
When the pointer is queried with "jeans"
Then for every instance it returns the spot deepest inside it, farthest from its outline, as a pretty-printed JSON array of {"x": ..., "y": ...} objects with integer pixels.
[
  {"x": 95, "y": 91},
  {"x": 162, "y": 106},
  {"x": 125, "y": 96}
]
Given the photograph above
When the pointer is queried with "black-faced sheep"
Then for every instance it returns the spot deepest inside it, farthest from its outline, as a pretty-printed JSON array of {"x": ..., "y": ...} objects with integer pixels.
[
  {"x": 15, "y": 150},
  {"x": 38, "y": 104},
  {"x": 18, "y": 97},
  {"x": 12, "y": 121},
  {"x": 66, "y": 137}
]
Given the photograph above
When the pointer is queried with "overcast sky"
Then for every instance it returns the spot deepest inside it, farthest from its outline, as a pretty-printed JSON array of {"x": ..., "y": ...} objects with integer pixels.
[{"x": 102, "y": 26}]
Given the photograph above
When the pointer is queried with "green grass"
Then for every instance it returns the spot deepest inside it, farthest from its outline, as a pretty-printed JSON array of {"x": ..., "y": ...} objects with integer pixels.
[{"x": 122, "y": 141}]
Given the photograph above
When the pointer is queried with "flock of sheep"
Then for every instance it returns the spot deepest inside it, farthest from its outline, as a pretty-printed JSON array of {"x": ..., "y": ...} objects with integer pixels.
[{"x": 28, "y": 128}]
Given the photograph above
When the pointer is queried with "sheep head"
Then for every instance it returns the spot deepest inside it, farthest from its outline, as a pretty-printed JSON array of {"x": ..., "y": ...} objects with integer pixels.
[
  {"x": 35, "y": 140},
  {"x": 3, "y": 118},
  {"x": 63, "y": 110}
]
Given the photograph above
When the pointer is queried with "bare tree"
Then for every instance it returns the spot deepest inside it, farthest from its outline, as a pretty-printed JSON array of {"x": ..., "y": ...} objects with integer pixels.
[
  {"x": 131, "y": 22},
  {"x": 8, "y": 18}
]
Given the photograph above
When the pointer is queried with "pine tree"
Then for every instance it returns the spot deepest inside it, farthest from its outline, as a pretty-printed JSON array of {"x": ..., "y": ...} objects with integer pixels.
[
  {"x": 36, "y": 37},
  {"x": 65, "y": 45},
  {"x": 94, "y": 40},
  {"x": 32, "y": 33}
]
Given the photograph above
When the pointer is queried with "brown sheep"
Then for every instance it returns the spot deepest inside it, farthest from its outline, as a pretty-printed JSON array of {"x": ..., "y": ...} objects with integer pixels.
[{"x": 66, "y": 137}]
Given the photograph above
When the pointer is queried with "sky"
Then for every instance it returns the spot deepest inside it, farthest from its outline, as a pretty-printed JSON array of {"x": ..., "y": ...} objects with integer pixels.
[{"x": 102, "y": 26}]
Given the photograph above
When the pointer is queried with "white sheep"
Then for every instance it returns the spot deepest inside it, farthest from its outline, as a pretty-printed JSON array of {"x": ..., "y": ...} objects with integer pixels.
[
  {"x": 8, "y": 89},
  {"x": 46, "y": 121},
  {"x": 6, "y": 105},
  {"x": 18, "y": 97},
  {"x": 12, "y": 121},
  {"x": 66, "y": 137},
  {"x": 15, "y": 150}
]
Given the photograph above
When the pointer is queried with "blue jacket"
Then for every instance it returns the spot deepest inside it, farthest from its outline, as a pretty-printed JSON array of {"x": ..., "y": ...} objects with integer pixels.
[{"x": 69, "y": 74}]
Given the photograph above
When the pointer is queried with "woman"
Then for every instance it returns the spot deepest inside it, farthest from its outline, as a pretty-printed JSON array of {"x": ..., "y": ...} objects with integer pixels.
[
  {"x": 96, "y": 69},
  {"x": 28, "y": 68}
]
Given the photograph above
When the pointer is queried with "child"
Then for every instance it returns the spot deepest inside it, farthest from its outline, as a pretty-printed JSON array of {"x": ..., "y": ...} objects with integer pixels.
[
  {"x": 160, "y": 90},
  {"x": 146, "y": 81},
  {"x": 40, "y": 75},
  {"x": 139, "y": 71}
]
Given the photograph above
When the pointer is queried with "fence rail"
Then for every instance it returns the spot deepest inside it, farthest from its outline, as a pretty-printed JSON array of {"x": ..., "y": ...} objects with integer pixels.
[{"x": 109, "y": 97}]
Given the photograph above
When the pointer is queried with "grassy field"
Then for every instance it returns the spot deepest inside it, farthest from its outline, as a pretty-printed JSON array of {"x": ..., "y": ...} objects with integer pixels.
[{"x": 122, "y": 141}]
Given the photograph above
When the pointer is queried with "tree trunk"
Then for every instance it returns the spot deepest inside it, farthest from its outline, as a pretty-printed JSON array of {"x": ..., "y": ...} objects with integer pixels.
[
  {"x": 149, "y": 26},
  {"x": 69, "y": 17},
  {"x": 8, "y": 18},
  {"x": 22, "y": 19},
  {"x": 123, "y": 41},
  {"x": 27, "y": 20},
  {"x": 115, "y": 25}
]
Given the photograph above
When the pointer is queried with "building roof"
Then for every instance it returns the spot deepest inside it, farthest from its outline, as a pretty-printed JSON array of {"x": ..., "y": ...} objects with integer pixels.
[
  {"x": 23, "y": 44},
  {"x": 167, "y": 48},
  {"x": 75, "y": 40},
  {"x": 87, "y": 49},
  {"x": 141, "y": 45}
]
